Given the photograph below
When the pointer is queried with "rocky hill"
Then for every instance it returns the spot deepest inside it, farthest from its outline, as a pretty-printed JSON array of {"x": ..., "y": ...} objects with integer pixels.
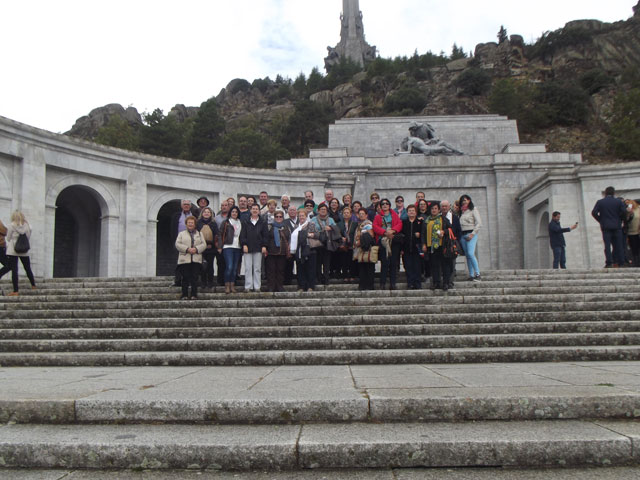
[{"x": 562, "y": 90}]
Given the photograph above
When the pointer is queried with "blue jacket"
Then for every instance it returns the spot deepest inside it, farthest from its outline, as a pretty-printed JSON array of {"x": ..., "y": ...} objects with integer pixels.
[
  {"x": 556, "y": 234},
  {"x": 609, "y": 212}
]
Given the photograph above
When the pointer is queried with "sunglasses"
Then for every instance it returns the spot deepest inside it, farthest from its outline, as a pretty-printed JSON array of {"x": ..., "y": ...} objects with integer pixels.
[
  {"x": 399, "y": 200},
  {"x": 385, "y": 203},
  {"x": 279, "y": 216}
]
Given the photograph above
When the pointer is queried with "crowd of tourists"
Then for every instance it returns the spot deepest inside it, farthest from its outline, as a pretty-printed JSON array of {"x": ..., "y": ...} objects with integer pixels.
[{"x": 335, "y": 238}]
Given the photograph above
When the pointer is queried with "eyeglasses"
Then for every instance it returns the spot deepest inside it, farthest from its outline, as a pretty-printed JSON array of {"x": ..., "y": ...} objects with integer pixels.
[
  {"x": 400, "y": 200},
  {"x": 375, "y": 198},
  {"x": 279, "y": 216}
]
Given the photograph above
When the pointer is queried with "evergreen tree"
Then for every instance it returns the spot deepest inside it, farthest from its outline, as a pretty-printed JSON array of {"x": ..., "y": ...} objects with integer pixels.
[
  {"x": 162, "y": 136},
  {"x": 502, "y": 34},
  {"x": 457, "y": 53},
  {"x": 118, "y": 133},
  {"x": 208, "y": 128},
  {"x": 307, "y": 127},
  {"x": 247, "y": 148}
]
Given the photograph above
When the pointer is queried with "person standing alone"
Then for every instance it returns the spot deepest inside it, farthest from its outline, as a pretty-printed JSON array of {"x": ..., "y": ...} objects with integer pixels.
[
  {"x": 556, "y": 239},
  {"x": 609, "y": 212}
]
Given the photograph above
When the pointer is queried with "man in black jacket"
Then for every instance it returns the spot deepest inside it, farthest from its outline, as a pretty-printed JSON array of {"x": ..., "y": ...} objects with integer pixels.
[
  {"x": 609, "y": 212},
  {"x": 556, "y": 239}
]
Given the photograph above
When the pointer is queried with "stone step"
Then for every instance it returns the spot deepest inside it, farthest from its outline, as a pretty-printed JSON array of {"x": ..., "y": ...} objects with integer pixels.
[
  {"x": 321, "y": 343},
  {"x": 196, "y": 308},
  {"x": 179, "y": 332},
  {"x": 325, "y": 357},
  {"x": 288, "y": 447},
  {"x": 163, "y": 295},
  {"x": 191, "y": 322}
]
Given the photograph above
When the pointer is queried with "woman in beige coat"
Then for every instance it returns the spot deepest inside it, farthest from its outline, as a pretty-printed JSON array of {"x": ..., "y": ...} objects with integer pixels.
[{"x": 190, "y": 245}]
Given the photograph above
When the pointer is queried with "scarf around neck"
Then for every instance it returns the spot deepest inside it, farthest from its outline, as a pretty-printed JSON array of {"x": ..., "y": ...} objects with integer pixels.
[{"x": 276, "y": 232}]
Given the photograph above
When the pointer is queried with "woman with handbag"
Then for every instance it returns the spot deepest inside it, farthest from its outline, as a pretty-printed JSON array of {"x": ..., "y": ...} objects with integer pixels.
[
  {"x": 278, "y": 240},
  {"x": 436, "y": 227},
  {"x": 387, "y": 226},
  {"x": 17, "y": 243},
  {"x": 208, "y": 227},
  {"x": 305, "y": 255},
  {"x": 190, "y": 245},
  {"x": 348, "y": 267},
  {"x": 365, "y": 251},
  {"x": 229, "y": 246}
]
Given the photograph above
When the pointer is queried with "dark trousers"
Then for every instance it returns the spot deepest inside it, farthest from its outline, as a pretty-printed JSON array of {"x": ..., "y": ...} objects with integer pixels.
[
  {"x": 221, "y": 267},
  {"x": 634, "y": 244},
  {"x": 366, "y": 272},
  {"x": 323, "y": 265},
  {"x": 440, "y": 268},
  {"x": 288, "y": 271},
  {"x": 207, "y": 275},
  {"x": 26, "y": 264},
  {"x": 613, "y": 238},
  {"x": 559, "y": 257},
  {"x": 276, "y": 265},
  {"x": 307, "y": 272},
  {"x": 4, "y": 260},
  {"x": 347, "y": 267},
  {"x": 189, "y": 273},
  {"x": 412, "y": 267},
  {"x": 389, "y": 264}
]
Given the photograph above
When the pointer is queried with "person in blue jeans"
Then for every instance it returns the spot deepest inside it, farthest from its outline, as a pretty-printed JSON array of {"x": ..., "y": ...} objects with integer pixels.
[
  {"x": 470, "y": 224},
  {"x": 229, "y": 246},
  {"x": 556, "y": 239}
]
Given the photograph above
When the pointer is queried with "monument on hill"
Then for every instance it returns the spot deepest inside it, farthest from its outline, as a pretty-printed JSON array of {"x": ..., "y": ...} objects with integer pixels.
[{"x": 352, "y": 44}]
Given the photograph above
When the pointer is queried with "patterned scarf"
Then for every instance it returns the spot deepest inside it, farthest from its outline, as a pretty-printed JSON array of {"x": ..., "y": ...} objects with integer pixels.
[{"x": 434, "y": 224}]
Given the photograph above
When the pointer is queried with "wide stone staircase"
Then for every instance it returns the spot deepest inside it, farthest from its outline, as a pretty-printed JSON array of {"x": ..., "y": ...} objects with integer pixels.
[{"x": 319, "y": 349}]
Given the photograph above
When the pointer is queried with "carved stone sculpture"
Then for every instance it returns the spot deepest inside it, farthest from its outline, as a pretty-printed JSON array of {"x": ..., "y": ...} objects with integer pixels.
[{"x": 422, "y": 139}]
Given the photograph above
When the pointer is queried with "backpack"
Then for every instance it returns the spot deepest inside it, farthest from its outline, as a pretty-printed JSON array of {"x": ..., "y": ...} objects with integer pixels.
[{"x": 22, "y": 244}]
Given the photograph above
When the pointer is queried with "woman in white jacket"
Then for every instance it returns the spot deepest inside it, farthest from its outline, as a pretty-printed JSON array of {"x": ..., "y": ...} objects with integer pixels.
[
  {"x": 190, "y": 245},
  {"x": 19, "y": 226}
]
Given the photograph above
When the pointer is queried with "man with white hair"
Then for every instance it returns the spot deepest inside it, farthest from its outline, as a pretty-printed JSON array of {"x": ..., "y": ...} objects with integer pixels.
[{"x": 285, "y": 201}]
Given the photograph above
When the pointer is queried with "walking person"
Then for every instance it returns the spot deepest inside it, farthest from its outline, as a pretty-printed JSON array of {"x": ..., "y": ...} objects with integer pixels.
[
  {"x": 470, "y": 224},
  {"x": 229, "y": 246},
  {"x": 609, "y": 213},
  {"x": 17, "y": 241},
  {"x": 190, "y": 244},
  {"x": 278, "y": 240},
  {"x": 556, "y": 239},
  {"x": 253, "y": 240}
]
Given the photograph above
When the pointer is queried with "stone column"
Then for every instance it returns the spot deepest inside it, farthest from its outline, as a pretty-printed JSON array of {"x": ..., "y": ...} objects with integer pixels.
[
  {"x": 31, "y": 191},
  {"x": 135, "y": 256}
]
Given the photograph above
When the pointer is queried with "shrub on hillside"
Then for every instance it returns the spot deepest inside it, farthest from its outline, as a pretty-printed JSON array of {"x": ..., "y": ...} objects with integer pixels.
[
  {"x": 474, "y": 81},
  {"x": 405, "y": 98}
]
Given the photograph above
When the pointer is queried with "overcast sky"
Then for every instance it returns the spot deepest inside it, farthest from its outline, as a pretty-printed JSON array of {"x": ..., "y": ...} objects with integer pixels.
[{"x": 61, "y": 59}]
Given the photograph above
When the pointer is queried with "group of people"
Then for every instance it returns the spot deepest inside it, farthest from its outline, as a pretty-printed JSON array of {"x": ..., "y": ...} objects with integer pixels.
[
  {"x": 14, "y": 245},
  {"x": 330, "y": 239}
]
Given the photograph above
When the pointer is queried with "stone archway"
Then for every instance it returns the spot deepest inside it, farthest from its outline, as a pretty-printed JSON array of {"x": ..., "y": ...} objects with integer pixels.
[
  {"x": 165, "y": 246},
  {"x": 78, "y": 233},
  {"x": 542, "y": 238}
]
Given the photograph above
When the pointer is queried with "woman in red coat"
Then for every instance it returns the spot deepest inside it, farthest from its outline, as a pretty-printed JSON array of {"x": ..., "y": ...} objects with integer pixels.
[{"x": 386, "y": 225}]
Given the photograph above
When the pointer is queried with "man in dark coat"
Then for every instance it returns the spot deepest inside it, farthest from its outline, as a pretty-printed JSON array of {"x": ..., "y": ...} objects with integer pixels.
[
  {"x": 556, "y": 239},
  {"x": 609, "y": 212}
]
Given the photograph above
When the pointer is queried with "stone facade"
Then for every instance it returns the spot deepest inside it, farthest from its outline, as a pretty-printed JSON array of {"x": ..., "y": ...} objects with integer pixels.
[{"x": 113, "y": 201}]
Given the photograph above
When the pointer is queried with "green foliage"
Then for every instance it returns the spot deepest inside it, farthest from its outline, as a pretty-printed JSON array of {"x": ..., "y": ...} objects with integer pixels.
[
  {"x": 569, "y": 103},
  {"x": 307, "y": 127},
  {"x": 595, "y": 80},
  {"x": 261, "y": 84},
  {"x": 300, "y": 85},
  {"x": 162, "y": 135},
  {"x": 457, "y": 53},
  {"x": 314, "y": 82},
  {"x": 413, "y": 65},
  {"x": 405, "y": 99},
  {"x": 550, "y": 42},
  {"x": 208, "y": 128},
  {"x": 537, "y": 107},
  {"x": 118, "y": 133},
  {"x": 247, "y": 147},
  {"x": 624, "y": 134},
  {"x": 241, "y": 85},
  {"x": 342, "y": 72},
  {"x": 474, "y": 81},
  {"x": 502, "y": 34}
]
